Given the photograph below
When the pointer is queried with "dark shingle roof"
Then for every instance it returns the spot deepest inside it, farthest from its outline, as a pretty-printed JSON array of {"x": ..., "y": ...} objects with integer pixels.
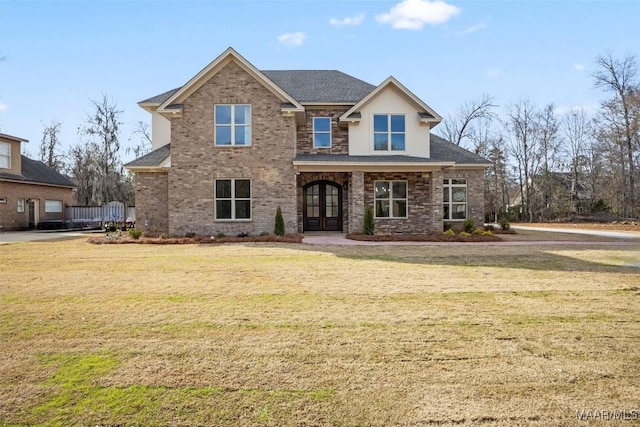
[
  {"x": 320, "y": 85},
  {"x": 443, "y": 150},
  {"x": 159, "y": 99},
  {"x": 37, "y": 172},
  {"x": 154, "y": 158},
  {"x": 306, "y": 86}
]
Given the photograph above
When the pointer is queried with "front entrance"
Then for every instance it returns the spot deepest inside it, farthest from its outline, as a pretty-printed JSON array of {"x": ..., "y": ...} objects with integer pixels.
[
  {"x": 322, "y": 206},
  {"x": 34, "y": 210}
]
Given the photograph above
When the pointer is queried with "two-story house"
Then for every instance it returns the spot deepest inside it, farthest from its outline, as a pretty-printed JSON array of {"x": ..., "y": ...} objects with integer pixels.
[
  {"x": 235, "y": 142},
  {"x": 31, "y": 193}
]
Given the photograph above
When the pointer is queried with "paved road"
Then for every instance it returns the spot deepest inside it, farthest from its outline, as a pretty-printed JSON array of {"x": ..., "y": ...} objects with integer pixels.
[{"x": 601, "y": 233}]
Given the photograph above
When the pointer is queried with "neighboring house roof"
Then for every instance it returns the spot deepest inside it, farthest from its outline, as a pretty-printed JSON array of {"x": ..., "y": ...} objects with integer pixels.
[
  {"x": 320, "y": 86},
  {"x": 159, "y": 99},
  {"x": 12, "y": 138},
  {"x": 153, "y": 159},
  {"x": 35, "y": 172}
]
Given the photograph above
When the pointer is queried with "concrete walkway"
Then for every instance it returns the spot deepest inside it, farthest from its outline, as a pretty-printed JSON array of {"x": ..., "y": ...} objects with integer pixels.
[{"x": 32, "y": 235}]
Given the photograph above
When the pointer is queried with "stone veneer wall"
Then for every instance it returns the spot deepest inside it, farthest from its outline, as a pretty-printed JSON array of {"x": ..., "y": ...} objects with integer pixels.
[
  {"x": 475, "y": 193},
  {"x": 339, "y": 134},
  {"x": 418, "y": 219},
  {"x": 196, "y": 162},
  {"x": 11, "y": 219},
  {"x": 152, "y": 202},
  {"x": 339, "y": 178}
]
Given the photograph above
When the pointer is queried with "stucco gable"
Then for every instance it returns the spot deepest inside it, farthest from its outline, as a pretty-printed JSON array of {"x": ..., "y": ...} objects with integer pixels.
[{"x": 426, "y": 113}]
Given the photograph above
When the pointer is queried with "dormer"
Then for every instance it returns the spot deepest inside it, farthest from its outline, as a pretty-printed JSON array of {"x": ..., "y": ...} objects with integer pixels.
[{"x": 10, "y": 158}]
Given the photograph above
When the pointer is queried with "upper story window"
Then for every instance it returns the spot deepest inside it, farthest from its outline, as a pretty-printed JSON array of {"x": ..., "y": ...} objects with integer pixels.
[
  {"x": 388, "y": 132},
  {"x": 322, "y": 132},
  {"x": 455, "y": 199},
  {"x": 233, "y": 124},
  {"x": 5, "y": 155},
  {"x": 391, "y": 199}
]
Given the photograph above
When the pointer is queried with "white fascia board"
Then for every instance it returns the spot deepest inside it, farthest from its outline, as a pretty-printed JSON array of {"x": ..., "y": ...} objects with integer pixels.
[{"x": 319, "y": 166}]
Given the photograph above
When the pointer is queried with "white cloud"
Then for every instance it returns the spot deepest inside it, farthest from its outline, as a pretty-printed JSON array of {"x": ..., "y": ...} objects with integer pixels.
[
  {"x": 349, "y": 21},
  {"x": 413, "y": 14},
  {"x": 482, "y": 25},
  {"x": 3, "y": 107},
  {"x": 578, "y": 67},
  {"x": 292, "y": 39}
]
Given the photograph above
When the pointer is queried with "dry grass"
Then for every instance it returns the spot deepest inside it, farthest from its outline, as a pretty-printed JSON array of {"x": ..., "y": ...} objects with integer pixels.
[{"x": 283, "y": 334}]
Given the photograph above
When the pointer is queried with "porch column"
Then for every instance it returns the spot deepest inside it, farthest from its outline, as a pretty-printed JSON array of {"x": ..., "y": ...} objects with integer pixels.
[
  {"x": 437, "y": 224},
  {"x": 356, "y": 202}
]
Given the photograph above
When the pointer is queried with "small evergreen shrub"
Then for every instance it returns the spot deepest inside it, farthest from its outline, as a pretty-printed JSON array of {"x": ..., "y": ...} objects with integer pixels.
[
  {"x": 449, "y": 232},
  {"x": 190, "y": 234},
  {"x": 368, "y": 224},
  {"x": 135, "y": 233},
  {"x": 504, "y": 224},
  {"x": 264, "y": 233},
  {"x": 489, "y": 227},
  {"x": 220, "y": 235},
  {"x": 468, "y": 225},
  {"x": 447, "y": 226},
  {"x": 164, "y": 236},
  {"x": 278, "y": 228},
  {"x": 243, "y": 234}
]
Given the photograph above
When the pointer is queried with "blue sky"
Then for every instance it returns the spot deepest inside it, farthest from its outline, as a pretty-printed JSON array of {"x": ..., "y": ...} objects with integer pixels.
[{"x": 60, "y": 54}]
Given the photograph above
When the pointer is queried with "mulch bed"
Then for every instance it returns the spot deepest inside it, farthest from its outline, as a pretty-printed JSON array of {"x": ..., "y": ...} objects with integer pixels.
[
  {"x": 144, "y": 240},
  {"x": 436, "y": 237}
]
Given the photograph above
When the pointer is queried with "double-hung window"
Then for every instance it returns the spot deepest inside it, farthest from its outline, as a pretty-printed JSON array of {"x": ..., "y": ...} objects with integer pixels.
[
  {"x": 20, "y": 205},
  {"x": 233, "y": 199},
  {"x": 322, "y": 132},
  {"x": 391, "y": 199},
  {"x": 5, "y": 155},
  {"x": 233, "y": 124},
  {"x": 455, "y": 199},
  {"x": 388, "y": 132}
]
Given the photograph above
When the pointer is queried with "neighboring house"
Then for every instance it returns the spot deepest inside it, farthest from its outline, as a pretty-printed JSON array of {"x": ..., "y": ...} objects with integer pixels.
[
  {"x": 31, "y": 193},
  {"x": 235, "y": 142}
]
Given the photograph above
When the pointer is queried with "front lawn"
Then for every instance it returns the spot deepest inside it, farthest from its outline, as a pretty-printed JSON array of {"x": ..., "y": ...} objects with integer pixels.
[{"x": 280, "y": 334}]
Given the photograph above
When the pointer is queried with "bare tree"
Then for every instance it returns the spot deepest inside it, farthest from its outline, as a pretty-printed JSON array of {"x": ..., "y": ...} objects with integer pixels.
[
  {"x": 522, "y": 128},
  {"x": 577, "y": 133},
  {"x": 619, "y": 78},
  {"x": 459, "y": 127},
  {"x": 141, "y": 133},
  {"x": 50, "y": 146},
  {"x": 549, "y": 146}
]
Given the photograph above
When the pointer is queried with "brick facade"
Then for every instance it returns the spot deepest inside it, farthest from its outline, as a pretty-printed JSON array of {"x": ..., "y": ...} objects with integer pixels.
[
  {"x": 152, "y": 195},
  {"x": 418, "y": 203},
  {"x": 339, "y": 134},
  {"x": 11, "y": 219},
  {"x": 475, "y": 194},
  {"x": 196, "y": 162}
]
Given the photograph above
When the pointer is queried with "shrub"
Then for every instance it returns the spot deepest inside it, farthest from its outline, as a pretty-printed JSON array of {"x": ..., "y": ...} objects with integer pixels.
[
  {"x": 477, "y": 232},
  {"x": 449, "y": 232},
  {"x": 190, "y": 234},
  {"x": 464, "y": 234},
  {"x": 165, "y": 236},
  {"x": 135, "y": 233},
  {"x": 487, "y": 233},
  {"x": 264, "y": 233},
  {"x": 278, "y": 228},
  {"x": 489, "y": 227},
  {"x": 468, "y": 225},
  {"x": 243, "y": 234},
  {"x": 447, "y": 226},
  {"x": 368, "y": 224},
  {"x": 504, "y": 224},
  {"x": 220, "y": 235}
]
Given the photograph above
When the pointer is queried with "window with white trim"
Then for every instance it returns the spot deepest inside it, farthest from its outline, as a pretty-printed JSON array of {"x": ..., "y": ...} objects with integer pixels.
[
  {"x": 390, "y": 199},
  {"x": 5, "y": 155},
  {"x": 455, "y": 199},
  {"x": 20, "y": 205},
  {"x": 322, "y": 132},
  {"x": 232, "y": 124},
  {"x": 233, "y": 199},
  {"x": 53, "y": 206},
  {"x": 388, "y": 132}
]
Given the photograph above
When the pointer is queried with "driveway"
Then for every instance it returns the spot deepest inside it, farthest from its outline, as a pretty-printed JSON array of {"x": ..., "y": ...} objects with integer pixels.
[
  {"x": 600, "y": 233},
  {"x": 31, "y": 236}
]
